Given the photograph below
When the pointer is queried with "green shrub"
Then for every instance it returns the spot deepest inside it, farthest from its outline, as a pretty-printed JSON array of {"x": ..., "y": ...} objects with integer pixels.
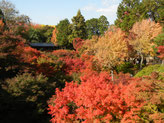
[
  {"x": 127, "y": 67},
  {"x": 159, "y": 39},
  {"x": 29, "y": 88},
  {"x": 149, "y": 69},
  {"x": 153, "y": 110},
  {"x": 76, "y": 77}
]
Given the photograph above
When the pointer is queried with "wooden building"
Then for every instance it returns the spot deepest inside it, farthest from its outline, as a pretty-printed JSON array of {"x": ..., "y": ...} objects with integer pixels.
[{"x": 44, "y": 46}]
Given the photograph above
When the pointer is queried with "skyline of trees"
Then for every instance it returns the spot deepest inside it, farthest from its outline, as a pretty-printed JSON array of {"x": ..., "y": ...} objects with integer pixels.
[{"x": 131, "y": 11}]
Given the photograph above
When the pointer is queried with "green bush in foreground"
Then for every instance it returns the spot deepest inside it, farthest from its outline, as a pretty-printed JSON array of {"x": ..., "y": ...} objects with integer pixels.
[
  {"x": 29, "y": 88},
  {"x": 149, "y": 69}
]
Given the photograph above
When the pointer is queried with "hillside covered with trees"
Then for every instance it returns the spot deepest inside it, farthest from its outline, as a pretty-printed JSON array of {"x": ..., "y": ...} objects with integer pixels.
[{"x": 102, "y": 73}]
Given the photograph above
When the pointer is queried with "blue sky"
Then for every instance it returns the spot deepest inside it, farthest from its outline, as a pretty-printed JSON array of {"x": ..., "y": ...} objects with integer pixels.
[{"x": 52, "y": 11}]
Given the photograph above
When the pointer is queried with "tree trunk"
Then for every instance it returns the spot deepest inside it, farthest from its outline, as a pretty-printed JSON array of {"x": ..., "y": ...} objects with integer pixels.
[
  {"x": 162, "y": 62},
  {"x": 141, "y": 61},
  {"x": 112, "y": 75}
]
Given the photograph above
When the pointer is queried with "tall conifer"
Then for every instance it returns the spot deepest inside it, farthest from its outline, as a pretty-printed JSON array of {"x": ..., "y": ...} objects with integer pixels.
[{"x": 79, "y": 26}]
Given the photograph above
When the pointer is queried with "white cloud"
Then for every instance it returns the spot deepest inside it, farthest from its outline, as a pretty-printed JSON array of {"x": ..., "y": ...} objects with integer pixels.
[
  {"x": 89, "y": 8},
  {"x": 105, "y": 2},
  {"x": 107, "y": 8},
  {"x": 109, "y": 12},
  {"x": 109, "y": 2},
  {"x": 112, "y": 8},
  {"x": 45, "y": 19}
]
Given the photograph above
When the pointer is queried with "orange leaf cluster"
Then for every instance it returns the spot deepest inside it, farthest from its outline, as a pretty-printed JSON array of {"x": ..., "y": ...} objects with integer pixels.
[
  {"x": 161, "y": 51},
  {"x": 1, "y": 25},
  {"x": 97, "y": 99},
  {"x": 31, "y": 55},
  {"x": 53, "y": 38},
  {"x": 63, "y": 53},
  {"x": 77, "y": 43}
]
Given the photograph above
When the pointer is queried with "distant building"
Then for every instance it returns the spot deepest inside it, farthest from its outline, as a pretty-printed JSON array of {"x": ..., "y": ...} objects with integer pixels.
[{"x": 44, "y": 46}]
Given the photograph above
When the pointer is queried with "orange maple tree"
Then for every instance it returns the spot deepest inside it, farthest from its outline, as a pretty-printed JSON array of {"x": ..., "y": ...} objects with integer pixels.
[
  {"x": 53, "y": 38},
  {"x": 144, "y": 32},
  {"x": 1, "y": 25},
  {"x": 95, "y": 99}
]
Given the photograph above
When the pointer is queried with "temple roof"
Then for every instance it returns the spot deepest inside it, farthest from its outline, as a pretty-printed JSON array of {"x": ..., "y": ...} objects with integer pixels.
[{"x": 42, "y": 45}]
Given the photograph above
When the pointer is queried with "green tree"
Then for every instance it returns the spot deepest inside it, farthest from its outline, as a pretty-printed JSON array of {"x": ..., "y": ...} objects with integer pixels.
[
  {"x": 154, "y": 9},
  {"x": 38, "y": 34},
  {"x": 28, "y": 93},
  {"x": 78, "y": 27},
  {"x": 92, "y": 27},
  {"x": 131, "y": 11},
  {"x": 103, "y": 24},
  {"x": 63, "y": 33},
  {"x": 159, "y": 40},
  {"x": 128, "y": 12},
  {"x": 34, "y": 35},
  {"x": 30, "y": 89},
  {"x": 46, "y": 32}
]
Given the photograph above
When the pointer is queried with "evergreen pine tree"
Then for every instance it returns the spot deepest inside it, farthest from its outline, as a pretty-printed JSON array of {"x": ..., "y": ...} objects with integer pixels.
[
  {"x": 103, "y": 24},
  {"x": 78, "y": 27},
  {"x": 63, "y": 33},
  {"x": 154, "y": 9},
  {"x": 131, "y": 11},
  {"x": 92, "y": 27},
  {"x": 128, "y": 12}
]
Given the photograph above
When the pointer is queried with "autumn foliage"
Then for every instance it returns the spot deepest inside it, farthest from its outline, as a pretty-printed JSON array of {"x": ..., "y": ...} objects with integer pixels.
[
  {"x": 1, "y": 25},
  {"x": 110, "y": 49},
  {"x": 161, "y": 51},
  {"x": 31, "y": 54},
  {"x": 64, "y": 53},
  {"x": 97, "y": 99},
  {"x": 85, "y": 91},
  {"x": 53, "y": 38},
  {"x": 77, "y": 43},
  {"x": 145, "y": 31}
]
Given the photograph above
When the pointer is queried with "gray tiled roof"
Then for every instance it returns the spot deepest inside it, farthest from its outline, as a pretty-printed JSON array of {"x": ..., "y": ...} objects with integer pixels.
[{"x": 42, "y": 45}]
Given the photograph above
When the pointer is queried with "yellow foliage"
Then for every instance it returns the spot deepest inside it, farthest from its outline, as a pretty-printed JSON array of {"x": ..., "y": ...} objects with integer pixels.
[
  {"x": 111, "y": 49},
  {"x": 52, "y": 26},
  {"x": 38, "y": 26},
  {"x": 145, "y": 31},
  {"x": 89, "y": 45}
]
